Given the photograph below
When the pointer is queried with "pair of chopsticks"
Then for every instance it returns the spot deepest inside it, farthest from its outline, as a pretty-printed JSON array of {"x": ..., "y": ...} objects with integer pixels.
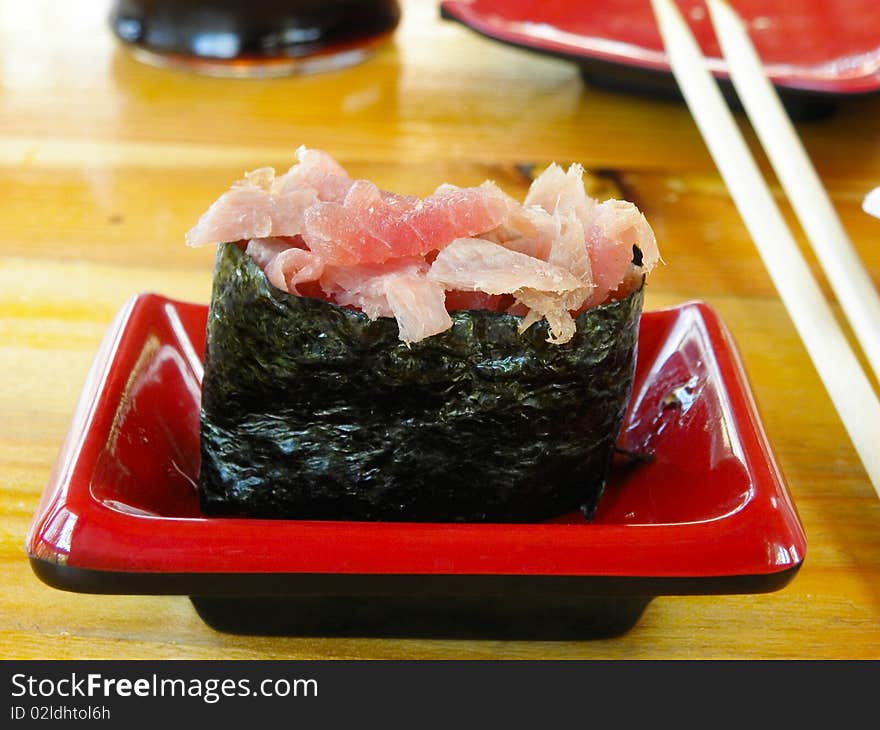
[{"x": 834, "y": 360}]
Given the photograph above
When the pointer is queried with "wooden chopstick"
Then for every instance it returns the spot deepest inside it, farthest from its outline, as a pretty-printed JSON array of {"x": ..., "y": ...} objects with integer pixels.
[
  {"x": 840, "y": 371},
  {"x": 847, "y": 275}
]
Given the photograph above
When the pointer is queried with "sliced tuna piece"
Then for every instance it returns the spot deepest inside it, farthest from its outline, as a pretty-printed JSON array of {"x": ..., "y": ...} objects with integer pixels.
[
  {"x": 253, "y": 208},
  {"x": 370, "y": 228},
  {"x": 316, "y": 232},
  {"x": 419, "y": 305},
  {"x": 616, "y": 227},
  {"x": 399, "y": 289},
  {"x": 555, "y": 190},
  {"x": 472, "y": 264},
  {"x": 458, "y": 300},
  {"x": 263, "y": 250},
  {"x": 263, "y": 205},
  {"x": 317, "y": 170},
  {"x": 549, "y": 291},
  {"x": 568, "y": 250},
  {"x": 553, "y": 308},
  {"x": 292, "y": 267}
]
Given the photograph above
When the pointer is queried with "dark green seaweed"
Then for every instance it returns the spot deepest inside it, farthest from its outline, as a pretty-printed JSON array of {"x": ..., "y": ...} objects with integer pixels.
[{"x": 312, "y": 411}]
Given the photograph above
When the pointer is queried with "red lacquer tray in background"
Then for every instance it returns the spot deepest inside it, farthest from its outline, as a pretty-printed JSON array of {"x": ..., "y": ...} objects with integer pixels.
[
  {"x": 811, "y": 46},
  {"x": 709, "y": 513}
]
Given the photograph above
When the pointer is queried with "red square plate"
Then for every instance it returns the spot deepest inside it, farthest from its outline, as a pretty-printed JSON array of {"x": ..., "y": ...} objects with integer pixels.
[
  {"x": 813, "y": 50},
  {"x": 707, "y": 512}
]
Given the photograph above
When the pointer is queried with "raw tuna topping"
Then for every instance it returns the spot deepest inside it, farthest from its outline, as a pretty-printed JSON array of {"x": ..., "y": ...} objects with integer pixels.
[{"x": 316, "y": 232}]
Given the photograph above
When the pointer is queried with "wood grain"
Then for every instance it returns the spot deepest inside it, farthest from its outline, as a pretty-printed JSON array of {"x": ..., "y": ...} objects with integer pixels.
[{"x": 105, "y": 163}]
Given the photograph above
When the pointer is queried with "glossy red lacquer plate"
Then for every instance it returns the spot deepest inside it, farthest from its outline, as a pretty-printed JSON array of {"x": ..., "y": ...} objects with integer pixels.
[
  {"x": 708, "y": 513},
  {"x": 816, "y": 46}
]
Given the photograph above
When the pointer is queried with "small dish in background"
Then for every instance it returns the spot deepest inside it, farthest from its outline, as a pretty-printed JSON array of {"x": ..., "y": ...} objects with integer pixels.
[{"x": 815, "y": 53}]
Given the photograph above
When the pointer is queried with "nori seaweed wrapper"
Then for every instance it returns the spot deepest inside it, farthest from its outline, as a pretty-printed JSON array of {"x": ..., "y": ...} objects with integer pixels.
[{"x": 313, "y": 411}]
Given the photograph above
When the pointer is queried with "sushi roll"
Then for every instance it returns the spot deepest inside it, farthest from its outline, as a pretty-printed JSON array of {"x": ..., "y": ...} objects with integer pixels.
[{"x": 376, "y": 356}]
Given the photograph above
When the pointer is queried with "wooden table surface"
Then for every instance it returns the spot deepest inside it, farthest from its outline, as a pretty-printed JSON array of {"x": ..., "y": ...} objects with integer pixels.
[{"x": 105, "y": 163}]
